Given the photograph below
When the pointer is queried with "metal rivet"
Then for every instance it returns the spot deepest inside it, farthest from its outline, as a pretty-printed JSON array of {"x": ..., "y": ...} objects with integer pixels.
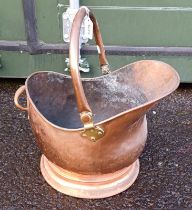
[{"x": 100, "y": 133}]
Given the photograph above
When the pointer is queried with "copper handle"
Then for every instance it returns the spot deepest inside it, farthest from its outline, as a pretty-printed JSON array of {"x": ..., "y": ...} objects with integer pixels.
[
  {"x": 74, "y": 54},
  {"x": 16, "y": 98},
  {"x": 83, "y": 106}
]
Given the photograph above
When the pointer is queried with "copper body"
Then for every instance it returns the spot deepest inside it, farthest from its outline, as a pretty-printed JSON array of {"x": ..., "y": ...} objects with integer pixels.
[{"x": 118, "y": 102}]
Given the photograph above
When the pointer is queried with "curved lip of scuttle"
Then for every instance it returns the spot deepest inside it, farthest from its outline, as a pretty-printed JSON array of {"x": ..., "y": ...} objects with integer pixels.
[{"x": 95, "y": 78}]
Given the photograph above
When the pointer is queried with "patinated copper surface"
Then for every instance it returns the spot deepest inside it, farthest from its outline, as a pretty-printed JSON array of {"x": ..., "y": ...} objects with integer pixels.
[{"x": 118, "y": 101}]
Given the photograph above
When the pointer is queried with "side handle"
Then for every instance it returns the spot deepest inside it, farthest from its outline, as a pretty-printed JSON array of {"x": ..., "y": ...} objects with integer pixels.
[{"x": 16, "y": 98}]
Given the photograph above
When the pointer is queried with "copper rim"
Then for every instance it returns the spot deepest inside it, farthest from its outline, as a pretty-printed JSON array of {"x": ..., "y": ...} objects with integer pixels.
[{"x": 88, "y": 186}]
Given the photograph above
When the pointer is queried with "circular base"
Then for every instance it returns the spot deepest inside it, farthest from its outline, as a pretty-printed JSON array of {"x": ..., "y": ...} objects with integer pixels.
[{"x": 88, "y": 186}]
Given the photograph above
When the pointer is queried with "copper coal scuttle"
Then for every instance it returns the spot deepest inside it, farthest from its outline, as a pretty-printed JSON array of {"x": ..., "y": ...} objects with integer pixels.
[{"x": 91, "y": 131}]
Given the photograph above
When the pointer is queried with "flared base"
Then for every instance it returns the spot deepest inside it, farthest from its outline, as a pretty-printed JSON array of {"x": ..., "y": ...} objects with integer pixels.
[{"x": 88, "y": 186}]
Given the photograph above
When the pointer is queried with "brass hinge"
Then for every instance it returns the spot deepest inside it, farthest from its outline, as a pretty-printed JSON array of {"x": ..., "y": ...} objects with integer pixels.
[{"x": 92, "y": 132}]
